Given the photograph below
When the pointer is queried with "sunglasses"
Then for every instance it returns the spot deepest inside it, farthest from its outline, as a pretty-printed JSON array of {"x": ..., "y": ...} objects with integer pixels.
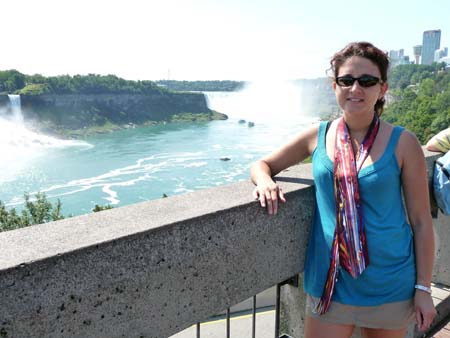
[{"x": 364, "y": 80}]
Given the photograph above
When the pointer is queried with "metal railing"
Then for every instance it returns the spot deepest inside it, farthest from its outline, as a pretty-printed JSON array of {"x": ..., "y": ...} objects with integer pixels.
[{"x": 292, "y": 281}]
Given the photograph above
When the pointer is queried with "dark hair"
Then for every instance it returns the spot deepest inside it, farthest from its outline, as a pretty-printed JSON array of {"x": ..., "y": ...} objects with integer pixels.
[{"x": 368, "y": 51}]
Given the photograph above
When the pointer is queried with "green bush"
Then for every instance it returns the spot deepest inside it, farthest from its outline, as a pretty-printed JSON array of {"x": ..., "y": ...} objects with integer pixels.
[
  {"x": 34, "y": 212},
  {"x": 98, "y": 208}
]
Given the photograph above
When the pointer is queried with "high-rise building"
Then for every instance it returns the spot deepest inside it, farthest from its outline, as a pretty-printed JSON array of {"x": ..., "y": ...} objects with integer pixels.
[
  {"x": 396, "y": 54},
  {"x": 440, "y": 53},
  {"x": 431, "y": 41},
  {"x": 417, "y": 53},
  {"x": 397, "y": 57}
]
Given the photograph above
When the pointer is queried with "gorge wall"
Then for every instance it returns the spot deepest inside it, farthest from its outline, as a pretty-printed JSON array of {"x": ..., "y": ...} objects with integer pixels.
[{"x": 51, "y": 112}]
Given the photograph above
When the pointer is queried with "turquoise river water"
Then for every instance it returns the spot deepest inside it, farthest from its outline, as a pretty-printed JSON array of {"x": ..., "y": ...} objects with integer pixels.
[{"x": 140, "y": 164}]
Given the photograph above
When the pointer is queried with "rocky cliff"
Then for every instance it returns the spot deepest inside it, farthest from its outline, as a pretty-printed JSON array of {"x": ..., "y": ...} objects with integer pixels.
[{"x": 69, "y": 112}]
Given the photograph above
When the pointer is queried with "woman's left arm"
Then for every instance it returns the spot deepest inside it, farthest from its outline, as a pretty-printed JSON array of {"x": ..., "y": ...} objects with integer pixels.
[{"x": 415, "y": 190}]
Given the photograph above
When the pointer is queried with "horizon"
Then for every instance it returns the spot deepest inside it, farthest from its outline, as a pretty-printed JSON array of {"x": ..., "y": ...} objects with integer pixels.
[
  {"x": 160, "y": 80},
  {"x": 201, "y": 40}
]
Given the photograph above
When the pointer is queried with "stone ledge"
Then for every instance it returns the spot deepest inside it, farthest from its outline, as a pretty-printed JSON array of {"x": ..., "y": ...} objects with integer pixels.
[{"x": 154, "y": 268}]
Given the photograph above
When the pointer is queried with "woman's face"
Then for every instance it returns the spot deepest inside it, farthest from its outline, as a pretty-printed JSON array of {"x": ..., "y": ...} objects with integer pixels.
[{"x": 355, "y": 99}]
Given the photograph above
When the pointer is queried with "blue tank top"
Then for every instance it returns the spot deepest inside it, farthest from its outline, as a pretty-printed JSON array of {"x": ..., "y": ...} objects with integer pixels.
[{"x": 391, "y": 274}]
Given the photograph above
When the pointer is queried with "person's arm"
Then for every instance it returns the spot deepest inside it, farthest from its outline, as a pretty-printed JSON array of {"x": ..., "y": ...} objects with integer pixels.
[
  {"x": 415, "y": 189},
  {"x": 262, "y": 171},
  {"x": 440, "y": 142},
  {"x": 431, "y": 146}
]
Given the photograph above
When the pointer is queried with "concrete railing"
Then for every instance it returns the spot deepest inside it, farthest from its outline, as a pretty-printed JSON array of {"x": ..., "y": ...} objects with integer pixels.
[{"x": 155, "y": 268}]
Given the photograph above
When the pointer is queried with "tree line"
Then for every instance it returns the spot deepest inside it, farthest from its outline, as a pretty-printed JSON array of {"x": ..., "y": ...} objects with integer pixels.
[{"x": 14, "y": 82}]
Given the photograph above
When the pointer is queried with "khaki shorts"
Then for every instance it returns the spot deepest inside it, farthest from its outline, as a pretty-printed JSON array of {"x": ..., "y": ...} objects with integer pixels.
[{"x": 389, "y": 316}]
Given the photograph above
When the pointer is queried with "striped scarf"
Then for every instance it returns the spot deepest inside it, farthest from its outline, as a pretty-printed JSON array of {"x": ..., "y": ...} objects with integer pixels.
[{"x": 349, "y": 248}]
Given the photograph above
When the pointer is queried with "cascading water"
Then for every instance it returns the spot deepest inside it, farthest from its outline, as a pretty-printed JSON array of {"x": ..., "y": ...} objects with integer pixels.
[
  {"x": 18, "y": 144},
  {"x": 13, "y": 131},
  {"x": 275, "y": 105},
  {"x": 16, "y": 108}
]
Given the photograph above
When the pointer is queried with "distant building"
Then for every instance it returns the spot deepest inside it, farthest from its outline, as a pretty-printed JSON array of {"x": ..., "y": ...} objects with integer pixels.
[
  {"x": 431, "y": 42},
  {"x": 417, "y": 50},
  {"x": 440, "y": 53},
  {"x": 397, "y": 57},
  {"x": 396, "y": 53},
  {"x": 446, "y": 59}
]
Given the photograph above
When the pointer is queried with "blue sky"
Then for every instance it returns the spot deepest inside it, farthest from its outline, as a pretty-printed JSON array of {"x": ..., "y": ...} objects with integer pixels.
[{"x": 205, "y": 39}]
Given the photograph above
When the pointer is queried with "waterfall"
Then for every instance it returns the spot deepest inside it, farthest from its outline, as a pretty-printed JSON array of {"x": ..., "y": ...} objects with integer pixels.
[
  {"x": 16, "y": 108},
  {"x": 260, "y": 102},
  {"x": 17, "y": 142},
  {"x": 20, "y": 145}
]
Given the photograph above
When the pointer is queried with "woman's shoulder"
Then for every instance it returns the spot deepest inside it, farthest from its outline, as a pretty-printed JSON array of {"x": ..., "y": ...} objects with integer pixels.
[
  {"x": 403, "y": 141},
  {"x": 404, "y": 135},
  {"x": 329, "y": 124},
  {"x": 311, "y": 132},
  {"x": 314, "y": 127},
  {"x": 408, "y": 147},
  {"x": 389, "y": 127},
  {"x": 408, "y": 138}
]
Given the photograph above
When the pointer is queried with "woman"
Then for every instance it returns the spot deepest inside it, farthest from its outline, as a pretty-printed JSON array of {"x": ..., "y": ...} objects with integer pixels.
[{"x": 365, "y": 265}]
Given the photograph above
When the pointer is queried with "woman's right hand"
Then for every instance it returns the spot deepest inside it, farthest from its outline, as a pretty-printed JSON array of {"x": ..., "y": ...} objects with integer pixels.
[{"x": 268, "y": 193}]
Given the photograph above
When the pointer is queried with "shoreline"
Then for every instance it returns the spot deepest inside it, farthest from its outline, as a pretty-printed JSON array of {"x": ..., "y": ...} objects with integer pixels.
[{"x": 109, "y": 127}]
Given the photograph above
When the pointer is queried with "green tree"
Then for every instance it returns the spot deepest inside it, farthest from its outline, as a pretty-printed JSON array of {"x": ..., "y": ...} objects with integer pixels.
[{"x": 420, "y": 99}]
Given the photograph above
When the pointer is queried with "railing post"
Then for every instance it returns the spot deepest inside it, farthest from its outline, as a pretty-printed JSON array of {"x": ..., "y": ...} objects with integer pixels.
[
  {"x": 254, "y": 317},
  {"x": 292, "y": 309},
  {"x": 277, "y": 311}
]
